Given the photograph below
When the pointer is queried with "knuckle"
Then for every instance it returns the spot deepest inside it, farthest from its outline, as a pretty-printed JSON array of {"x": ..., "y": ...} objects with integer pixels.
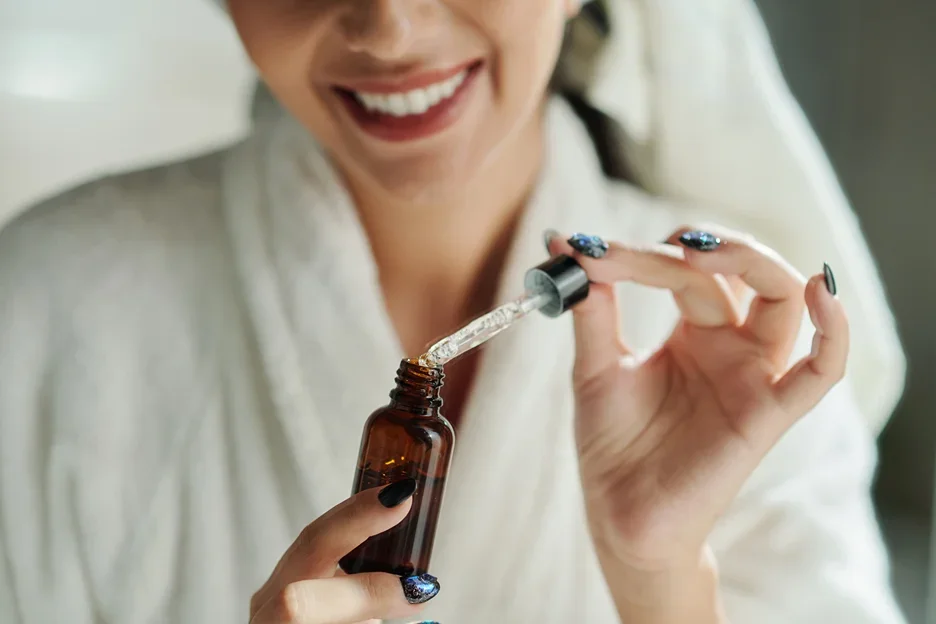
[
  {"x": 309, "y": 536},
  {"x": 293, "y": 603},
  {"x": 589, "y": 384},
  {"x": 323, "y": 526},
  {"x": 838, "y": 372},
  {"x": 373, "y": 590},
  {"x": 257, "y": 601}
]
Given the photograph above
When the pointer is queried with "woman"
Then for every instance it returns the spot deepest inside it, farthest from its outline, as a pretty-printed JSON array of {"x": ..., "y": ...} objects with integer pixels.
[{"x": 189, "y": 353}]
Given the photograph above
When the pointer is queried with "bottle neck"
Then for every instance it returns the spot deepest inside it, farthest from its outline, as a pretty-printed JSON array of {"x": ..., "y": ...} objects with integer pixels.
[{"x": 417, "y": 388}]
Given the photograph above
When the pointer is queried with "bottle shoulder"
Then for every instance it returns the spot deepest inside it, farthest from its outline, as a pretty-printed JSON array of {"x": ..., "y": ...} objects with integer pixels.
[{"x": 434, "y": 423}]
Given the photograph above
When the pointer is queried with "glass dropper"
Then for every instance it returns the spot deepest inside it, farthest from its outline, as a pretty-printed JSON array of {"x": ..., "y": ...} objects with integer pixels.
[{"x": 552, "y": 288}]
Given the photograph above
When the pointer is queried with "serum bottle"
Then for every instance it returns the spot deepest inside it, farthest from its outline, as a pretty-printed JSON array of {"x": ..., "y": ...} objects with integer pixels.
[{"x": 409, "y": 438}]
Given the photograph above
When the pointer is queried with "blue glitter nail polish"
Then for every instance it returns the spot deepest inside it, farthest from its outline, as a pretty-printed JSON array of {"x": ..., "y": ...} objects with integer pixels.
[
  {"x": 420, "y": 589},
  {"x": 700, "y": 241},
  {"x": 587, "y": 245}
]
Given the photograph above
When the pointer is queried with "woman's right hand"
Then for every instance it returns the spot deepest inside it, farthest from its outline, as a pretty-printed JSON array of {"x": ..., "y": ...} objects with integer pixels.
[{"x": 307, "y": 586}]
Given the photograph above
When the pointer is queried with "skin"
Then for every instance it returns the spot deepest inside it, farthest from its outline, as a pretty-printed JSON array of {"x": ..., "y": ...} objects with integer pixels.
[
  {"x": 307, "y": 586},
  {"x": 454, "y": 197},
  {"x": 702, "y": 411}
]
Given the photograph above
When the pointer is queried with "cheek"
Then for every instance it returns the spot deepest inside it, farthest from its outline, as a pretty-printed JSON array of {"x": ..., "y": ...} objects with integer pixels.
[
  {"x": 272, "y": 37},
  {"x": 281, "y": 36},
  {"x": 526, "y": 37}
]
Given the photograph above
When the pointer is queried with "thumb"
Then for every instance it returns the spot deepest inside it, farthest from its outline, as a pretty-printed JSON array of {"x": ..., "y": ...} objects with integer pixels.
[
  {"x": 347, "y": 599},
  {"x": 598, "y": 343}
]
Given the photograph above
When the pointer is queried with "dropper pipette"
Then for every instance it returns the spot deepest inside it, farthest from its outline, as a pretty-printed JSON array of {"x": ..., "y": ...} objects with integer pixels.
[{"x": 552, "y": 288}]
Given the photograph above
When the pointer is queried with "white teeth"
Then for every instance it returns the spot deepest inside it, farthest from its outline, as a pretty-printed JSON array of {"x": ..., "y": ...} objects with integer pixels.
[
  {"x": 396, "y": 104},
  {"x": 415, "y": 102},
  {"x": 418, "y": 101}
]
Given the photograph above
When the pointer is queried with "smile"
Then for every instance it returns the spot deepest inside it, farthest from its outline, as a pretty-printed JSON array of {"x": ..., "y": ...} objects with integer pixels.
[
  {"x": 415, "y": 102},
  {"x": 416, "y": 107}
]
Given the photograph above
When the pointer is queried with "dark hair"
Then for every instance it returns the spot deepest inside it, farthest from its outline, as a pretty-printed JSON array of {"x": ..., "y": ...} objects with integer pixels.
[{"x": 584, "y": 40}]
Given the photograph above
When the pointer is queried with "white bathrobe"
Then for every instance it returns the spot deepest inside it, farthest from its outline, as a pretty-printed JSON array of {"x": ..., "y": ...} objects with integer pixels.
[{"x": 188, "y": 355}]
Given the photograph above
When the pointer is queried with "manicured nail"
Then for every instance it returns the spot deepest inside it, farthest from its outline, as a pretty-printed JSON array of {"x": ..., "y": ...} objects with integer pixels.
[
  {"x": 829, "y": 279},
  {"x": 587, "y": 245},
  {"x": 420, "y": 589},
  {"x": 395, "y": 493},
  {"x": 548, "y": 237},
  {"x": 700, "y": 241}
]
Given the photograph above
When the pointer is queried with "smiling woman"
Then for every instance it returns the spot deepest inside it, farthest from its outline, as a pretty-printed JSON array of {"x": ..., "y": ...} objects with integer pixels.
[
  {"x": 312, "y": 54},
  {"x": 190, "y": 352}
]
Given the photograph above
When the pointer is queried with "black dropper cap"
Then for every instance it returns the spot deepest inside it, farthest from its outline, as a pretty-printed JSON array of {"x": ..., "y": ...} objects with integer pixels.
[{"x": 562, "y": 279}]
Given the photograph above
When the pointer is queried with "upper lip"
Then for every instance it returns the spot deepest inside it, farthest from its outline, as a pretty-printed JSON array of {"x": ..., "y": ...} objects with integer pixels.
[{"x": 404, "y": 82}]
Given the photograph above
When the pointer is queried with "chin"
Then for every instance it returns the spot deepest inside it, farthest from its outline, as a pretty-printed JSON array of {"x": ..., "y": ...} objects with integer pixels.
[
  {"x": 439, "y": 178},
  {"x": 425, "y": 187}
]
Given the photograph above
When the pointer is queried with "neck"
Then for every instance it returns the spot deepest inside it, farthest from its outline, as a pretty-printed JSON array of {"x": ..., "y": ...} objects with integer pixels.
[
  {"x": 466, "y": 236},
  {"x": 417, "y": 388}
]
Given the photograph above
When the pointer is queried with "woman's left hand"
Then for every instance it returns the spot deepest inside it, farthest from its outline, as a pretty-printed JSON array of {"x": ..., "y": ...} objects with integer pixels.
[{"x": 666, "y": 442}]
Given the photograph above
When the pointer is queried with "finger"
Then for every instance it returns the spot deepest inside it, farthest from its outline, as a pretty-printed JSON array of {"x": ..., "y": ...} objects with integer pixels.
[
  {"x": 598, "y": 344},
  {"x": 804, "y": 385},
  {"x": 703, "y": 299},
  {"x": 775, "y": 314},
  {"x": 316, "y": 551},
  {"x": 347, "y": 599},
  {"x": 340, "y": 572},
  {"x": 739, "y": 290}
]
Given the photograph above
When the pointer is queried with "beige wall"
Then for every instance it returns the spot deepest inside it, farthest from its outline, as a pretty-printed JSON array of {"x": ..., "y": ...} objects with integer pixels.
[{"x": 92, "y": 86}]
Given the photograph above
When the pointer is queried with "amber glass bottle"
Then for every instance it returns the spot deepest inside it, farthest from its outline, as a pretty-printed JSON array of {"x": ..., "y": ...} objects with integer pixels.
[{"x": 407, "y": 438}]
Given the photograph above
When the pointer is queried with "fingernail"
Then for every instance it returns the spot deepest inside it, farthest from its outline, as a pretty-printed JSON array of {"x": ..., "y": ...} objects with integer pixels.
[
  {"x": 587, "y": 245},
  {"x": 421, "y": 588},
  {"x": 700, "y": 241},
  {"x": 829, "y": 279},
  {"x": 548, "y": 236},
  {"x": 395, "y": 493}
]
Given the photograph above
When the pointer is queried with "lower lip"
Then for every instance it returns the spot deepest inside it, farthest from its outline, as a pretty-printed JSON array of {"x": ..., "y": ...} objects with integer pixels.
[{"x": 411, "y": 127}]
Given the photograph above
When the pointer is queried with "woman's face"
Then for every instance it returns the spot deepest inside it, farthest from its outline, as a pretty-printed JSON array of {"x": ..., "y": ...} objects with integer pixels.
[{"x": 411, "y": 97}]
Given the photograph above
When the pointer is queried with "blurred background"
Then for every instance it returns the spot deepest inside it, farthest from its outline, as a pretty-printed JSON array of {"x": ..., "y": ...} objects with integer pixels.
[
  {"x": 865, "y": 72},
  {"x": 93, "y": 86}
]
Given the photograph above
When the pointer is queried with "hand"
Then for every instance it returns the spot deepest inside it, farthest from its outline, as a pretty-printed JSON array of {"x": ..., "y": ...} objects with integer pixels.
[
  {"x": 307, "y": 586},
  {"x": 665, "y": 443}
]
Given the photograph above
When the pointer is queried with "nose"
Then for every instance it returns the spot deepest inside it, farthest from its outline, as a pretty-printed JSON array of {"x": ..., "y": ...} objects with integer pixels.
[{"x": 383, "y": 29}]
